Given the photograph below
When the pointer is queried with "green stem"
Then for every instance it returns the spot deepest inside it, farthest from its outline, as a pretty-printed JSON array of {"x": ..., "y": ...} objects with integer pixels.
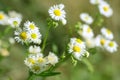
[{"x": 46, "y": 36}]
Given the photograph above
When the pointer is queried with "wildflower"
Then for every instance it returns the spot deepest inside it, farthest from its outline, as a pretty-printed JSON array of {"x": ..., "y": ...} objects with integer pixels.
[
  {"x": 107, "y": 33},
  {"x": 105, "y": 9},
  {"x": 57, "y": 13},
  {"x": 34, "y": 49},
  {"x": 14, "y": 22},
  {"x": 86, "y": 31},
  {"x": 77, "y": 48},
  {"x": 3, "y": 18},
  {"x": 100, "y": 41},
  {"x": 21, "y": 35},
  {"x": 30, "y": 26},
  {"x": 95, "y": 1},
  {"x": 86, "y": 18},
  {"x": 4, "y": 52},
  {"x": 52, "y": 58},
  {"x": 111, "y": 46},
  {"x": 34, "y": 37}
]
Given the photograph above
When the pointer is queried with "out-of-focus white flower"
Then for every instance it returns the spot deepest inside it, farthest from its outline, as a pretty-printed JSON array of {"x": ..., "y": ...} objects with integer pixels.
[
  {"x": 111, "y": 46},
  {"x": 30, "y": 26},
  {"x": 77, "y": 48},
  {"x": 14, "y": 22},
  {"x": 21, "y": 35},
  {"x": 52, "y": 58},
  {"x": 34, "y": 49},
  {"x": 90, "y": 43},
  {"x": 34, "y": 37},
  {"x": 4, "y": 52},
  {"x": 100, "y": 41},
  {"x": 107, "y": 33},
  {"x": 105, "y": 9},
  {"x": 86, "y": 32},
  {"x": 64, "y": 21},
  {"x": 14, "y": 14},
  {"x": 3, "y": 18},
  {"x": 86, "y": 18},
  {"x": 57, "y": 12},
  {"x": 95, "y": 1},
  {"x": 12, "y": 40}
]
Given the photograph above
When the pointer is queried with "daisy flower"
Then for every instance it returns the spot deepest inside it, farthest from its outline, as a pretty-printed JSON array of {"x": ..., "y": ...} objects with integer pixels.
[
  {"x": 14, "y": 22},
  {"x": 30, "y": 26},
  {"x": 86, "y": 18},
  {"x": 57, "y": 12},
  {"x": 95, "y": 1},
  {"x": 3, "y": 18},
  {"x": 86, "y": 31},
  {"x": 107, "y": 33},
  {"x": 52, "y": 58},
  {"x": 34, "y": 49},
  {"x": 34, "y": 37},
  {"x": 105, "y": 9},
  {"x": 100, "y": 41},
  {"x": 111, "y": 46},
  {"x": 21, "y": 35},
  {"x": 77, "y": 48}
]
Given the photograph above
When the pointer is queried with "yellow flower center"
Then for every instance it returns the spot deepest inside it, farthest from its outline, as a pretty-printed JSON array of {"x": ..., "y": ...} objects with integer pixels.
[
  {"x": 86, "y": 17},
  {"x": 31, "y": 60},
  {"x": 41, "y": 60},
  {"x": 32, "y": 26},
  {"x": 102, "y": 41},
  {"x": 79, "y": 41},
  {"x": 1, "y": 16},
  {"x": 76, "y": 49},
  {"x": 89, "y": 30},
  {"x": 108, "y": 31},
  {"x": 15, "y": 23},
  {"x": 57, "y": 12},
  {"x": 23, "y": 35},
  {"x": 36, "y": 68},
  {"x": 34, "y": 36},
  {"x": 111, "y": 44},
  {"x": 106, "y": 8}
]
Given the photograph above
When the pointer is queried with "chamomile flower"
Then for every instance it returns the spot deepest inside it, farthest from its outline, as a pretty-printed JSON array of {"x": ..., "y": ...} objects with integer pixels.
[
  {"x": 14, "y": 22},
  {"x": 3, "y": 18},
  {"x": 77, "y": 49},
  {"x": 86, "y": 31},
  {"x": 105, "y": 9},
  {"x": 14, "y": 14},
  {"x": 107, "y": 33},
  {"x": 57, "y": 12},
  {"x": 30, "y": 26},
  {"x": 100, "y": 41},
  {"x": 34, "y": 37},
  {"x": 86, "y": 18},
  {"x": 34, "y": 49},
  {"x": 95, "y": 1},
  {"x": 52, "y": 58},
  {"x": 21, "y": 35},
  {"x": 111, "y": 46}
]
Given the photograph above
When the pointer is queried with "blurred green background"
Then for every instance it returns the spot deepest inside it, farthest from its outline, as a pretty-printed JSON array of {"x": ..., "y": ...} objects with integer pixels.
[{"x": 106, "y": 66}]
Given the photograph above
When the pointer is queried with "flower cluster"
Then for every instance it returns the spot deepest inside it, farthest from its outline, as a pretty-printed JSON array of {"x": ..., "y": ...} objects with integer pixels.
[
  {"x": 37, "y": 63},
  {"x": 13, "y": 19}
]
